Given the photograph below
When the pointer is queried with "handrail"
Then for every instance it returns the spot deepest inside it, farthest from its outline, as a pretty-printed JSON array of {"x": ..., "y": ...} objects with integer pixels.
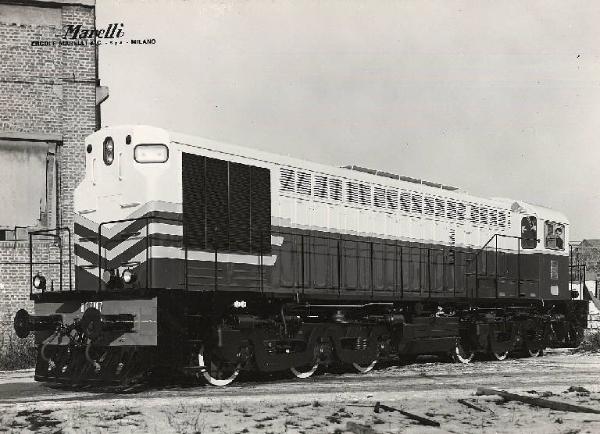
[
  {"x": 496, "y": 235},
  {"x": 480, "y": 250},
  {"x": 57, "y": 234}
]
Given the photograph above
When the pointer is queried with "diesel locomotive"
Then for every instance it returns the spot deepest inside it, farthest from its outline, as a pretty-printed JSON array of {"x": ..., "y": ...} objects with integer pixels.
[{"x": 208, "y": 259}]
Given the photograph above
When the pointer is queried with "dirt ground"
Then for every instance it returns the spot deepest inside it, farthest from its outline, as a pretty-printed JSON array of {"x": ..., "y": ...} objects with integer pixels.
[{"x": 326, "y": 403}]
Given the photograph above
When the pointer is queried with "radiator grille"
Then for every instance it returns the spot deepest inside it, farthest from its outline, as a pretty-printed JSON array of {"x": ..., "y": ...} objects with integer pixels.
[{"x": 226, "y": 205}]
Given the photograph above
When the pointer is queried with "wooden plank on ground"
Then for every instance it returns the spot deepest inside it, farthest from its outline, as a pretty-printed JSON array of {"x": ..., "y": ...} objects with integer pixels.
[
  {"x": 473, "y": 406},
  {"x": 539, "y": 402},
  {"x": 422, "y": 420}
]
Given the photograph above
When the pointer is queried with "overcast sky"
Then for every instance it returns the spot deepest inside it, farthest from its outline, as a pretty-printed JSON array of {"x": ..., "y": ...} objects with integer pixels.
[{"x": 498, "y": 98}]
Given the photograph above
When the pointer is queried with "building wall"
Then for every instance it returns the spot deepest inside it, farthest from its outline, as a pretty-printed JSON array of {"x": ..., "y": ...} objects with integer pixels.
[{"x": 49, "y": 93}]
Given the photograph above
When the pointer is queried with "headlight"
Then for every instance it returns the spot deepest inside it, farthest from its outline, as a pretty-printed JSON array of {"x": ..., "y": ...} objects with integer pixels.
[
  {"x": 108, "y": 153},
  {"x": 151, "y": 153},
  {"x": 39, "y": 281},
  {"x": 128, "y": 276}
]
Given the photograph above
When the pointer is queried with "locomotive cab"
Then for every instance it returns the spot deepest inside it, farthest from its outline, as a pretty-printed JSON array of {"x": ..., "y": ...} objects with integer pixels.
[
  {"x": 542, "y": 257},
  {"x": 125, "y": 169}
]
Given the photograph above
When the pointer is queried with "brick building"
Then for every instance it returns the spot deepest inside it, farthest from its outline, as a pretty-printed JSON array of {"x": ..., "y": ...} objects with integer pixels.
[{"x": 49, "y": 99}]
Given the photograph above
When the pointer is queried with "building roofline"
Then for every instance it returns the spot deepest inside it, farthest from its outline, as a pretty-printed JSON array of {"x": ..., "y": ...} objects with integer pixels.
[
  {"x": 51, "y": 3},
  {"x": 30, "y": 137}
]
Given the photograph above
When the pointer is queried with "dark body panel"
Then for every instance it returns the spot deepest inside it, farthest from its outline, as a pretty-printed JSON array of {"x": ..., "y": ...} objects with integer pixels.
[{"x": 337, "y": 266}]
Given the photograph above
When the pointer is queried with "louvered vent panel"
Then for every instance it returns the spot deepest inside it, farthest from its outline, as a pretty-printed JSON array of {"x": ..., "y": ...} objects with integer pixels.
[
  {"x": 321, "y": 186},
  {"x": 474, "y": 214},
  {"x": 502, "y": 219},
  {"x": 429, "y": 205},
  {"x": 483, "y": 216},
  {"x": 260, "y": 229},
  {"x": 239, "y": 207},
  {"x": 493, "y": 217},
  {"x": 226, "y": 206},
  {"x": 194, "y": 201},
  {"x": 451, "y": 210},
  {"x": 335, "y": 189},
  {"x": 303, "y": 183},
  {"x": 379, "y": 197},
  {"x": 352, "y": 192},
  {"x": 439, "y": 207},
  {"x": 365, "y": 194},
  {"x": 461, "y": 211},
  {"x": 405, "y": 201},
  {"x": 287, "y": 179},
  {"x": 392, "y": 199},
  {"x": 217, "y": 202},
  {"x": 417, "y": 203}
]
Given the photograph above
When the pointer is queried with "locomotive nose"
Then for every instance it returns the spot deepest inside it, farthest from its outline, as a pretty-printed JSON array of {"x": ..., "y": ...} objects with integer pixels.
[{"x": 24, "y": 323}]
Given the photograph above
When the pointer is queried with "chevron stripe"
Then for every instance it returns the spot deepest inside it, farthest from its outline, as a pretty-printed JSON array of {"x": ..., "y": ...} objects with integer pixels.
[
  {"x": 135, "y": 241},
  {"x": 164, "y": 212},
  {"x": 86, "y": 258}
]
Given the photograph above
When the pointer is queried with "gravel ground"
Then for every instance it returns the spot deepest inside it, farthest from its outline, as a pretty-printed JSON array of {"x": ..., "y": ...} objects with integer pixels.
[{"x": 325, "y": 403}]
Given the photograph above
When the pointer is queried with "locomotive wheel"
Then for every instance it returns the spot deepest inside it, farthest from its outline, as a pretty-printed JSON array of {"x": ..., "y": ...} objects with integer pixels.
[
  {"x": 533, "y": 342},
  {"x": 363, "y": 369},
  {"x": 500, "y": 345},
  {"x": 534, "y": 348},
  {"x": 461, "y": 354},
  {"x": 217, "y": 372},
  {"x": 305, "y": 371},
  {"x": 500, "y": 355}
]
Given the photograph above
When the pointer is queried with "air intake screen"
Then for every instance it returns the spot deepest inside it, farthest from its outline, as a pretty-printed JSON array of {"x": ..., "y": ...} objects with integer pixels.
[
  {"x": 239, "y": 207},
  {"x": 226, "y": 205},
  {"x": 194, "y": 201},
  {"x": 261, "y": 210}
]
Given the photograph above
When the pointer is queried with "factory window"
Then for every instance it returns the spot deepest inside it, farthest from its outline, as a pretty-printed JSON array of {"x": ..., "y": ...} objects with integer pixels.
[
  {"x": 303, "y": 183},
  {"x": 321, "y": 186},
  {"x": 554, "y": 235},
  {"x": 392, "y": 199},
  {"x": 335, "y": 189},
  {"x": 417, "y": 203},
  {"x": 439, "y": 207},
  {"x": 28, "y": 190},
  {"x": 379, "y": 197},
  {"x": 287, "y": 179},
  {"x": 429, "y": 205},
  {"x": 405, "y": 201},
  {"x": 529, "y": 232}
]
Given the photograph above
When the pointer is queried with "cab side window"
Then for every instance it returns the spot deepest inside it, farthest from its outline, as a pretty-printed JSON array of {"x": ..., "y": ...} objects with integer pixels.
[
  {"x": 529, "y": 232},
  {"x": 554, "y": 236}
]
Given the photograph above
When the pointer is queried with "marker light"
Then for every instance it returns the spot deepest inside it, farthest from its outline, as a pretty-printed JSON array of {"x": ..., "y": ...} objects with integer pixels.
[
  {"x": 151, "y": 153},
  {"x": 39, "y": 281},
  {"x": 239, "y": 304},
  {"x": 108, "y": 154},
  {"x": 128, "y": 276}
]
